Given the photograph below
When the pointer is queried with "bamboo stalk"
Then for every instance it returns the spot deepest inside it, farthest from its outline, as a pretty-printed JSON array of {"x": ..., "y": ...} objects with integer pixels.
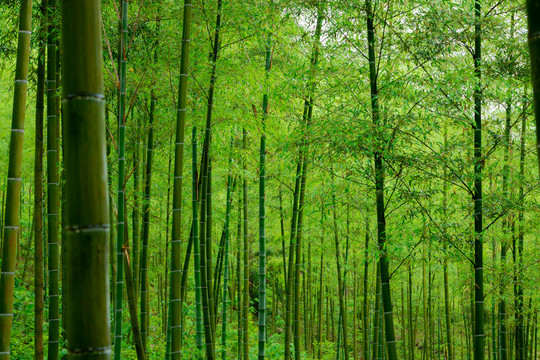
[
  {"x": 11, "y": 213},
  {"x": 196, "y": 255},
  {"x": 52, "y": 190},
  {"x": 87, "y": 224},
  {"x": 121, "y": 179},
  {"x": 262, "y": 207},
  {"x": 245, "y": 299},
  {"x": 176, "y": 237},
  {"x": 132, "y": 305},
  {"x": 226, "y": 262},
  {"x": 39, "y": 265}
]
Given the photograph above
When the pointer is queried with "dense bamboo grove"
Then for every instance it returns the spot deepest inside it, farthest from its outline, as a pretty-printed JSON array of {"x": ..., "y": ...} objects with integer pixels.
[{"x": 268, "y": 180}]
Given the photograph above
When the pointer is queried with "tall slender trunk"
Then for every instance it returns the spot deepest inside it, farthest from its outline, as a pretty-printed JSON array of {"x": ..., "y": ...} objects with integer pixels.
[
  {"x": 262, "y": 206},
  {"x": 122, "y": 54},
  {"x": 321, "y": 289},
  {"x": 38, "y": 192},
  {"x": 290, "y": 278},
  {"x": 245, "y": 300},
  {"x": 379, "y": 188},
  {"x": 342, "y": 326},
  {"x": 204, "y": 266},
  {"x": 518, "y": 250},
  {"x": 196, "y": 252},
  {"x": 239, "y": 307},
  {"x": 208, "y": 302},
  {"x": 86, "y": 185},
  {"x": 375, "y": 353},
  {"x": 365, "y": 305},
  {"x": 445, "y": 261},
  {"x": 503, "y": 347},
  {"x": 132, "y": 305},
  {"x": 412, "y": 332},
  {"x": 176, "y": 237},
  {"x": 226, "y": 261},
  {"x": 52, "y": 189},
  {"x": 136, "y": 215},
  {"x": 146, "y": 226},
  {"x": 478, "y": 165},
  {"x": 298, "y": 263}
]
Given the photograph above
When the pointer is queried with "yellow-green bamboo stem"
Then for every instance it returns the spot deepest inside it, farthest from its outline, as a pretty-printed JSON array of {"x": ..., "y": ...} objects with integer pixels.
[{"x": 11, "y": 221}]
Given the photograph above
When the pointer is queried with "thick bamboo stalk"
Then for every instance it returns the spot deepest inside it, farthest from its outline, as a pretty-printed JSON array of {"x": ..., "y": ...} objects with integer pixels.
[
  {"x": 11, "y": 221},
  {"x": 87, "y": 223}
]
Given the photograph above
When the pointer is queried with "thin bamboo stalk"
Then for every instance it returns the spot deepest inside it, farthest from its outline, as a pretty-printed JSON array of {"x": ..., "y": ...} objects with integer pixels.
[
  {"x": 176, "y": 237},
  {"x": 52, "y": 190},
  {"x": 262, "y": 207},
  {"x": 196, "y": 255},
  {"x": 121, "y": 188},
  {"x": 226, "y": 262},
  {"x": 146, "y": 226},
  {"x": 39, "y": 265},
  {"x": 245, "y": 300}
]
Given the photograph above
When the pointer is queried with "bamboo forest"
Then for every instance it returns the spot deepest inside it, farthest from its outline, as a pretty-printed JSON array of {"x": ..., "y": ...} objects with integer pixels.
[{"x": 279, "y": 179}]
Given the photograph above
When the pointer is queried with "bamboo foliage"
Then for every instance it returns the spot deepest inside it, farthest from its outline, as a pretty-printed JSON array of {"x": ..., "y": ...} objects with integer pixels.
[
  {"x": 11, "y": 215},
  {"x": 87, "y": 223}
]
